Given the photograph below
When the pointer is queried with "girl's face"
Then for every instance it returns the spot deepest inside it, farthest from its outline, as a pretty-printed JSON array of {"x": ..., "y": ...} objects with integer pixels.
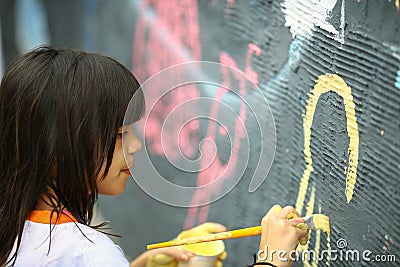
[{"x": 114, "y": 182}]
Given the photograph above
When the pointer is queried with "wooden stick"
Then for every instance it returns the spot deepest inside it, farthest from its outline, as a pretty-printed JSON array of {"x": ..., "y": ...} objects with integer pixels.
[{"x": 251, "y": 231}]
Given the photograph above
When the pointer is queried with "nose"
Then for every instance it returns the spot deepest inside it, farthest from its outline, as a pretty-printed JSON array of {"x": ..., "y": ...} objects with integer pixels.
[{"x": 133, "y": 144}]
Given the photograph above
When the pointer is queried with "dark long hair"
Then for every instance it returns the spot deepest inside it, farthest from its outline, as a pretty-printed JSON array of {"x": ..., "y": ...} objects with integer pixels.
[{"x": 60, "y": 111}]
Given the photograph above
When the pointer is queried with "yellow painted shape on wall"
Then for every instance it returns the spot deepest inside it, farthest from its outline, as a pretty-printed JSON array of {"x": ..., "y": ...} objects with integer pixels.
[
  {"x": 311, "y": 258},
  {"x": 309, "y": 211},
  {"x": 327, "y": 83}
]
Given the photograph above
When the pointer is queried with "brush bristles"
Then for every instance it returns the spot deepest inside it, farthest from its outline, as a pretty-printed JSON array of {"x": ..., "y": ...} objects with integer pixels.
[{"x": 321, "y": 222}]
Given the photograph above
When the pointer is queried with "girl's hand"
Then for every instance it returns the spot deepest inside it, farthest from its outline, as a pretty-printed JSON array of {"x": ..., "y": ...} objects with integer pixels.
[
  {"x": 279, "y": 236},
  {"x": 169, "y": 257},
  {"x": 212, "y": 228},
  {"x": 162, "y": 257}
]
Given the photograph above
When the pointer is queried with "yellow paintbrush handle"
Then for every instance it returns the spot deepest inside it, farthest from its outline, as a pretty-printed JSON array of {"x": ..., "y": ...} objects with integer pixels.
[
  {"x": 314, "y": 222},
  {"x": 252, "y": 231}
]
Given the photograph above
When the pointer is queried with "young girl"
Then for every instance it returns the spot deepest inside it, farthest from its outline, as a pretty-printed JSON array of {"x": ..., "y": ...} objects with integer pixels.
[{"x": 61, "y": 128}]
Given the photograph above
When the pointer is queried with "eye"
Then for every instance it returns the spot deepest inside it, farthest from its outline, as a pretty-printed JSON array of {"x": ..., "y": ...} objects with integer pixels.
[{"x": 121, "y": 134}]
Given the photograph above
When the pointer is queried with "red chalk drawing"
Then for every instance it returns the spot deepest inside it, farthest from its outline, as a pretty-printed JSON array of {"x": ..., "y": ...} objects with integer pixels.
[
  {"x": 166, "y": 34},
  {"x": 218, "y": 169}
]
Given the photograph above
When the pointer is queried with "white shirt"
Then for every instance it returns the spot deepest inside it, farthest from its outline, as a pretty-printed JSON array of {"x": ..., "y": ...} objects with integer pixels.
[{"x": 69, "y": 247}]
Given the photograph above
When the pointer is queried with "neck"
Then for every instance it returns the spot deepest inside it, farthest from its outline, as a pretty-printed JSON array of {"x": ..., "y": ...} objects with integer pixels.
[{"x": 43, "y": 203}]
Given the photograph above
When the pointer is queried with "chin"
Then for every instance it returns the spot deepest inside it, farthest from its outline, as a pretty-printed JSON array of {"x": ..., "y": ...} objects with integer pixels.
[
  {"x": 117, "y": 193},
  {"x": 112, "y": 193}
]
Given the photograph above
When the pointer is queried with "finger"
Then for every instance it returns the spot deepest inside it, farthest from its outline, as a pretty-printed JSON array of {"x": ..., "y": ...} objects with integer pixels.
[
  {"x": 160, "y": 259},
  {"x": 299, "y": 223},
  {"x": 302, "y": 232},
  {"x": 218, "y": 263},
  {"x": 283, "y": 214},
  {"x": 304, "y": 239},
  {"x": 293, "y": 214},
  {"x": 222, "y": 256},
  {"x": 210, "y": 227},
  {"x": 302, "y": 226}
]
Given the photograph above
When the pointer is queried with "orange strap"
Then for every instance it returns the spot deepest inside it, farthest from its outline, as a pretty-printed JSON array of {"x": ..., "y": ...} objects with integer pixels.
[{"x": 43, "y": 216}]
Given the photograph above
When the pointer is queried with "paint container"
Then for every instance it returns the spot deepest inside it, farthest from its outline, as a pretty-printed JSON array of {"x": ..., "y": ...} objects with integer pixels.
[
  {"x": 206, "y": 254},
  {"x": 199, "y": 261}
]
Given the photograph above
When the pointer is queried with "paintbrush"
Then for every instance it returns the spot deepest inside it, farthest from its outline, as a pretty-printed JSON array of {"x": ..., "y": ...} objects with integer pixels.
[{"x": 313, "y": 222}]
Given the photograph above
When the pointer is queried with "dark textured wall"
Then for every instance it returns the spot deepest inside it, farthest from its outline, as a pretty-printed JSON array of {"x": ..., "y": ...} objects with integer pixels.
[{"x": 338, "y": 140}]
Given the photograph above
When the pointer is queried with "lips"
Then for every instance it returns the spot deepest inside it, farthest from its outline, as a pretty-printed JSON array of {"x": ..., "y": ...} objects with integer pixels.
[{"x": 127, "y": 171}]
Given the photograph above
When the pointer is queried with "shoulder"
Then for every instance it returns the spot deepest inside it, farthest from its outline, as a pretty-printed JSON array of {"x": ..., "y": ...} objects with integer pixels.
[
  {"x": 75, "y": 243},
  {"x": 101, "y": 250}
]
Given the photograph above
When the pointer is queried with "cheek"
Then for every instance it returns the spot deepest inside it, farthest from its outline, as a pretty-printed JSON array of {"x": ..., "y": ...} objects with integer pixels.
[
  {"x": 112, "y": 186},
  {"x": 113, "y": 183}
]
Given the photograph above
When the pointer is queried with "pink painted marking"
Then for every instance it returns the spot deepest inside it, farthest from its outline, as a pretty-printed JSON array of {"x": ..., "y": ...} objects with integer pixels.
[
  {"x": 219, "y": 170},
  {"x": 167, "y": 38}
]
